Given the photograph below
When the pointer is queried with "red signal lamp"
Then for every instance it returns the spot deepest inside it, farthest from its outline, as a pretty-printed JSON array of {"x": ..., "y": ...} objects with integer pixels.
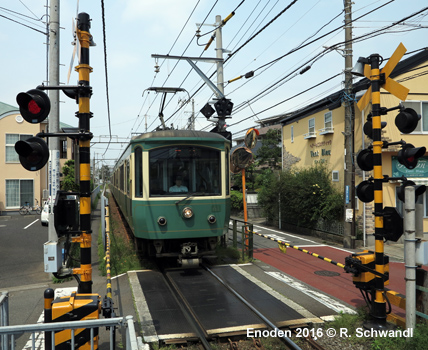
[
  {"x": 34, "y": 105},
  {"x": 409, "y": 155}
]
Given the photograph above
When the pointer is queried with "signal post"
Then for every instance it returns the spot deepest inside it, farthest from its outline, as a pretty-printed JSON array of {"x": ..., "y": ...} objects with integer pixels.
[
  {"x": 84, "y": 115},
  {"x": 371, "y": 269},
  {"x": 33, "y": 155},
  {"x": 379, "y": 304}
]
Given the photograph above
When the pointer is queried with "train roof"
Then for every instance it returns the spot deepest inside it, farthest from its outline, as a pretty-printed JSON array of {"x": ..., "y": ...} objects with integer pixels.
[{"x": 164, "y": 134}]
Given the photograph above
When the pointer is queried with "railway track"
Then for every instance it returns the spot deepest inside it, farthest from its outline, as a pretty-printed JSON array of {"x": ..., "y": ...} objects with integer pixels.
[
  {"x": 202, "y": 334},
  {"x": 199, "y": 320}
]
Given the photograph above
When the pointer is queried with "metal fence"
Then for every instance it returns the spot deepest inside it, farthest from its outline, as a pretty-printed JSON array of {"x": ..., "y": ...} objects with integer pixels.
[
  {"x": 8, "y": 333},
  {"x": 4, "y": 317}
]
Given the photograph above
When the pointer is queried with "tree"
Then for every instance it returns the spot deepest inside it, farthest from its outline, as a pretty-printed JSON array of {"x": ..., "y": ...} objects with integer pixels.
[
  {"x": 105, "y": 172},
  {"x": 69, "y": 182},
  {"x": 270, "y": 152}
]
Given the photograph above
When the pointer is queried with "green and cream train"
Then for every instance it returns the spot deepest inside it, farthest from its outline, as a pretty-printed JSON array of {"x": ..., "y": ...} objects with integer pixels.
[{"x": 172, "y": 187}]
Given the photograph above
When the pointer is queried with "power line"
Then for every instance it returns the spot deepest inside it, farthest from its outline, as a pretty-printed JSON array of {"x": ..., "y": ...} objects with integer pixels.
[
  {"x": 261, "y": 30},
  {"x": 105, "y": 70}
]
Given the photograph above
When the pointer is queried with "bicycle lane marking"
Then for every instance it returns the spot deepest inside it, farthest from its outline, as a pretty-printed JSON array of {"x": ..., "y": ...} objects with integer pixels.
[{"x": 31, "y": 224}]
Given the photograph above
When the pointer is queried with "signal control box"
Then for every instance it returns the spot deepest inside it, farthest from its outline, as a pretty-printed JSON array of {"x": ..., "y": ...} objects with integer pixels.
[
  {"x": 76, "y": 307},
  {"x": 360, "y": 265}
]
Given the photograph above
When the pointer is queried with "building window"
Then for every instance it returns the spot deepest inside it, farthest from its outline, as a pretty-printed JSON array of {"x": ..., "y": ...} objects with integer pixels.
[
  {"x": 63, "y": 149},
  {"x": 11, "y": 139},
  {"x": 292, "y": 133},
  {"x": 335, "y": 176},
  {"x": 420, "y": 107},
  {"x": 328, "y": 124},
  {"x": 311, "y": 130},
  {"x": 18, "y": 192}
]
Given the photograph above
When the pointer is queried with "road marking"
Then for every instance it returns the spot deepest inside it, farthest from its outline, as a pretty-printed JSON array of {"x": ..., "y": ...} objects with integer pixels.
[
  {"x": 24, "y": 287},
  {"x": 286, "y": 234},
  {"x": 30, "y": 224},
  {"x": 320, "y": 297}
]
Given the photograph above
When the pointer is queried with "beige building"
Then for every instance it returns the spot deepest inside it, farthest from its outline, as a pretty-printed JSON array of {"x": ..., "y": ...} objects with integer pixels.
[
  {"x": 17, "y": 185},
  {"x": 314, "y": 134}
]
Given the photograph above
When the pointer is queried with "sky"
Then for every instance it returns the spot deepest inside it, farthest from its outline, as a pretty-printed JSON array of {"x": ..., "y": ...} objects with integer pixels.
[{"x": 135, "y": 29}]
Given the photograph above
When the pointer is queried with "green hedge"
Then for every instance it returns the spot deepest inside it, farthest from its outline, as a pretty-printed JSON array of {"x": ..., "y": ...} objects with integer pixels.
[{"x": 307, "y": 195}]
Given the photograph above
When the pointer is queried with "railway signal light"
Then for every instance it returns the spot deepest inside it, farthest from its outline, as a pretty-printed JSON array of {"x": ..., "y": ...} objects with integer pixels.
[
  {"x": 407, "y": 120},
  {"x": 223, "y": 107},
  {"x": 365, "y": 159},
  {"x": 409, "y": 155},
  {"x": 419, "y": 189},
  {"x": 33, "y": 153},
  {"x": 34, "y": 105},
  {"x": 365, "y": 191},
  {"x": 392, "y": 224},
  {"x": 368, "y": 128}
]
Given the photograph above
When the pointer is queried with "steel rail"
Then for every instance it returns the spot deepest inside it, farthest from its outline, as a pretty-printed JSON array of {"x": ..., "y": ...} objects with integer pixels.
[
  {"x": 285, "y": 339},
  {"x": 187, "y": 311}
]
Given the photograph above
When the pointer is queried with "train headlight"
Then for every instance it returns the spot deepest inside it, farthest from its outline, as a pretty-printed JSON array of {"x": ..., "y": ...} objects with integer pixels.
[
  {"x": 212, "y": 219},
  {"x": 187, "y": 213},
  {"x": 162, "y": 221}
]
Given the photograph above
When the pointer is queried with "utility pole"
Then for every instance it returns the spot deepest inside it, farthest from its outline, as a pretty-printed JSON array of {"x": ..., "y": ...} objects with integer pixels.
[
  {"x": 349, "y": 171},
  {"x": 54, "y": 167},
  {"x": 219, "y": 53}
]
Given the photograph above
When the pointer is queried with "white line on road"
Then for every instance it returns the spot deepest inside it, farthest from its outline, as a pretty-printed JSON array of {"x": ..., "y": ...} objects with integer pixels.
[
  {"x": 285, "y": 234},
  {"x": 30, "y": 224},
  {"x": 320, "y": 297}
]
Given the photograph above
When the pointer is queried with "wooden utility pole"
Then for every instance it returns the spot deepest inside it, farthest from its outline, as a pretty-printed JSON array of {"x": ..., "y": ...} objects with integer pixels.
[{"x": 349, "y": 171}]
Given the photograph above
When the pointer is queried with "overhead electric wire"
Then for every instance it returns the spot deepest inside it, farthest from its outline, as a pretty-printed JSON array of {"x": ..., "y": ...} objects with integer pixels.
[
  {"x": 262, "y": 29},
  {"x": 106, "y": 72},
  {"x": 289, "y": 98},
  {"x": 177, "y": 61},
  {"x": 302, "y": 46},
  {"x": 24, "y": 25},
  {"x": 329, "y": 49},
  {"x": 333, "y": 47}
]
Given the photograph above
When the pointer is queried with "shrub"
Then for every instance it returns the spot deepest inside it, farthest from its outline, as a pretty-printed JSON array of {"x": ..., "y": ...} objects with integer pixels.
[
  {"x": 236, "y": 200},
  {"x": 306, "y": 196}
]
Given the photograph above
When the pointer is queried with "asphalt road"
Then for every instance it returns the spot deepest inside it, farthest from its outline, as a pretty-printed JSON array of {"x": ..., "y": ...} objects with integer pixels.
[{"x": 21, "y": 251}]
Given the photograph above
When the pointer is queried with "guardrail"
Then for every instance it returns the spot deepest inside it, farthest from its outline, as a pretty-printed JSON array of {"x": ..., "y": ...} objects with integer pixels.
[
  {"x": 246, "y": 237},
  {"x": 4, "y": 317},
  {"x": 8, "y": 333}
]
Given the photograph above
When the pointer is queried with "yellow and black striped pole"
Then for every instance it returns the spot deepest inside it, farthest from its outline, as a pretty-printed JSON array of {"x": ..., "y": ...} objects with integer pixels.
[
  {"x": 48, "y": 298},
  {"x": 84, "y": 115},
  {"x": 379, "y": 300}
]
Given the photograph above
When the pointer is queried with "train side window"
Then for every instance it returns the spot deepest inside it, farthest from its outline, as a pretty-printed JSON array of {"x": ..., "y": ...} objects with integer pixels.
[
  {"x": 138, "y": 153},
  {"x": 127, "y": 177},
  {"x": 227, "y": 172}
]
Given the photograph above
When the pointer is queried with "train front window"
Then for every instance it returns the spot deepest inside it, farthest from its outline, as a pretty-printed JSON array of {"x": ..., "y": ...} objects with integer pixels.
[{"x": 184, "y": 170}]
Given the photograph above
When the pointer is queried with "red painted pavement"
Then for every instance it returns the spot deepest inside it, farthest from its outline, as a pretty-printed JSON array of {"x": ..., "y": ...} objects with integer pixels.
[{"x": 303, "y": 267}]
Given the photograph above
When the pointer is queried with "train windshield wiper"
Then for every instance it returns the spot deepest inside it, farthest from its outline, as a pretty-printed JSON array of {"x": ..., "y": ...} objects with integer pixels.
[{"x": 196, "y": 193}]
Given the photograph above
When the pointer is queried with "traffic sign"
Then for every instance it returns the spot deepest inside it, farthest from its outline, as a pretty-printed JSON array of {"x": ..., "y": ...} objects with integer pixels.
[{"x": 390, "y": 85}]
